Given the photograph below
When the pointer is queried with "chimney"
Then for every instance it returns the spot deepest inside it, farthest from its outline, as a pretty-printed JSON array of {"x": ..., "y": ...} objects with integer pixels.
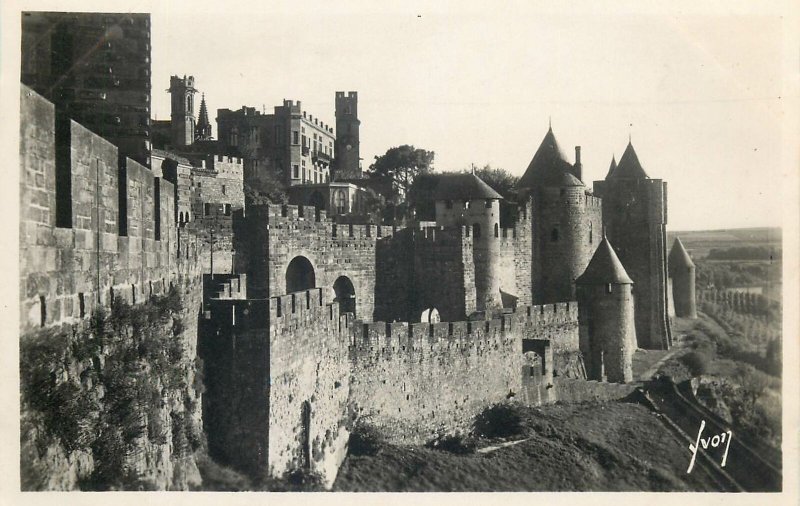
[{"x": 578, "y": 167}]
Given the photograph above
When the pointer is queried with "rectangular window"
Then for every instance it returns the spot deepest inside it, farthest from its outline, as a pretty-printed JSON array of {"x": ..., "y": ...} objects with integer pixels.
[
  {"x": 296, "y": 171},
  {"x": 63, "y": 141},
  {"x": 488, "y": 203},
  {"x": 223, "y": 189},
  {"x": 295, "y": 137},
  {"x": 448, "y": 204}
]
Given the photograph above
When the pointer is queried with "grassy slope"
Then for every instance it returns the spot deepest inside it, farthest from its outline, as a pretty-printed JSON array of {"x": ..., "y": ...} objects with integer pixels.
[{"x": 611, "y": 446}]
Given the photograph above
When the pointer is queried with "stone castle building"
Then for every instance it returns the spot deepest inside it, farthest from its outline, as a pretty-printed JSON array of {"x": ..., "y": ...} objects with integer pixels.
[
  {"x": 305, "y": 325},
  {"x": 95, "y": 69},
  {"x": 291, "y": 144}
]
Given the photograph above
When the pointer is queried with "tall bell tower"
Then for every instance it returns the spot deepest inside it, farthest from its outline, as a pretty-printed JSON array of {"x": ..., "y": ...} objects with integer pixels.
[
  {"x": 182, "y": 118},
  {"x": 347, "y": 162}
]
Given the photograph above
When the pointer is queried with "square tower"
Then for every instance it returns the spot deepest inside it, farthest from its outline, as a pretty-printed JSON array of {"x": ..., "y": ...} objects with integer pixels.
[
  {"x": 348, "y": 158},
  {"x": 183, "y": 121},
  {"x": 95, "y": 68},
  {"x": 635, "y": 219}
]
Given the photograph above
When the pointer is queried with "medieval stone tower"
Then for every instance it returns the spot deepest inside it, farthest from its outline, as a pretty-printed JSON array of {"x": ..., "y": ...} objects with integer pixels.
[
  {"x": 635, "y": 218},
  {"x": 606, "y": 317},
  {"x": 347, "y": 163},
  {"x": 182, "y": 118},
  {"x": 567, "y": 222},
  {"x": 681, "y": 271},
  {"x": 466, "y": 200},
  {"x": 203, "y": 130}
]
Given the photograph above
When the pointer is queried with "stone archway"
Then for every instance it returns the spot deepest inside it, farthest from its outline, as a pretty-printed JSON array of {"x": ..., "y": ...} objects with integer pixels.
[
  {"x": 430, "y": 315},
  {"x": 345, "y": 295},
  {"x": 300, "y": 275}
]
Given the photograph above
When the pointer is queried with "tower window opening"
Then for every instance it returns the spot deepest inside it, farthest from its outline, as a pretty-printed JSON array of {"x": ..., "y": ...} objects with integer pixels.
[
  {"x": 476, "y": 230},
  {"x": 608, "y": 288},
  {"x": 554, "y": 235},
  {"x": 42, "y": 311},
  {"x": 488, "y": 203}
]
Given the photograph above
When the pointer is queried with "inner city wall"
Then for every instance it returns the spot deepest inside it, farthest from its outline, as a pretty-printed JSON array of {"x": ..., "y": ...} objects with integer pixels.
[{"x": 290, "y": 374}]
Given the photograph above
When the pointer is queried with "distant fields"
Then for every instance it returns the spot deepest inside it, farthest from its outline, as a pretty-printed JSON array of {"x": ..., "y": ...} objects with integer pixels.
[{"x": 700, "y": 242}]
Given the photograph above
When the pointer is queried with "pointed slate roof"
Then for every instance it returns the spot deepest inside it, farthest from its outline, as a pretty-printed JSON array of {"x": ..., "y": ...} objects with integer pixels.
[
  {"x": 202, "y": 120},
  {"x": 604, "y": 268},
  {"x": 548, "y": 166},
  {"x": 678, "y": 256},
  {"x": 629, "y": 166},
  {"x": 458, "y": 186},
  {"x": 612, "y": 167}
]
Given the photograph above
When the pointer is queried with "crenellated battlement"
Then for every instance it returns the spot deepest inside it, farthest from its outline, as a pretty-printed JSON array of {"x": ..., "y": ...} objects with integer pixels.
[
  {"x": 404, "y": 336},
  {"x": 593, "y": 202},
  {"x": 94, "y": 225},
  {"x": 306, "y": 308},
  {"x": 295, "y": 217}
]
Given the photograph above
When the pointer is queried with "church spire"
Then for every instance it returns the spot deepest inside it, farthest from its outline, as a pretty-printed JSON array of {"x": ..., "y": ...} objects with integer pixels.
[{"x": 203, "y": 129}]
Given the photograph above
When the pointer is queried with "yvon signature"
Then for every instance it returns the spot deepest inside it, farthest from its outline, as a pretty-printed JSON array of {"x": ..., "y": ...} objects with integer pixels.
[{"x": 714, "y": 441}]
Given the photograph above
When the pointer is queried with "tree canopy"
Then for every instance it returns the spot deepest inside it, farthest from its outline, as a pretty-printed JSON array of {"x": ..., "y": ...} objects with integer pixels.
[
  {"x": 504, "y": 183},
  {"x": 501, "y": 181},
  {"x": 267, "y": 189},
  {"x": 399, "y": 166}
]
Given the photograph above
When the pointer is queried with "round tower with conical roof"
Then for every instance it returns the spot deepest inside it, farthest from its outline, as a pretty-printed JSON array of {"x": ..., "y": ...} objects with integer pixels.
[
  {"x": 606, "y": 317},
  {"x": 681, "y": 271},
  {"x": 466, "y": 200},
  {"x": 566, "y": 223},
  {"x": 635, "y": 219}
]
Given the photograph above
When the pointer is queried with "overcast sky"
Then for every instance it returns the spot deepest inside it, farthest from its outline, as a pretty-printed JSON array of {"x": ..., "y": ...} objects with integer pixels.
[{"x": 699, "y": 95}]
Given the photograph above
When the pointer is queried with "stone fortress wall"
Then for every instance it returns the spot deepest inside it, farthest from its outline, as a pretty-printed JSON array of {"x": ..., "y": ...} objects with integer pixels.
[
  {"x": 108, "y": 231},
  {"x": 122, "y": 239},
  {"x": 321, "y": 324}
]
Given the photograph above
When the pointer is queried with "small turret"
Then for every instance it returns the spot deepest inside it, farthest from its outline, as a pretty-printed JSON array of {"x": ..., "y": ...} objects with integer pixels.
[
  {"x": 606, "y": 317},
  {"x": 612, "y": 167},
  {"x": 203, "y": 128},
  {"x": 682, "y": 272}
]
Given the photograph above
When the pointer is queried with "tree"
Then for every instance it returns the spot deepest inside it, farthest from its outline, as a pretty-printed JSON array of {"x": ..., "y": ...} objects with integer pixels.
[
  {"x": 267, "y": 189},
  {"x": 398, "y": 167},
  {"x": 504, "y": 183},
  {"x": 501, "y": 181}
]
